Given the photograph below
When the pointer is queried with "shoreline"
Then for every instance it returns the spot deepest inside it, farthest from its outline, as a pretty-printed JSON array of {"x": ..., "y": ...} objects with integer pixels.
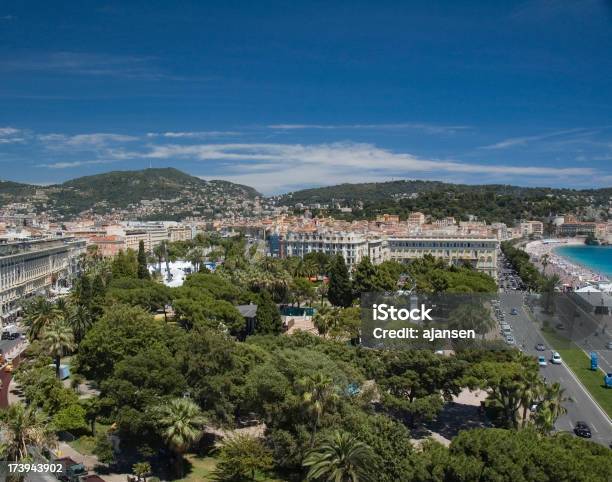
[{"x": 571, "y": 273}]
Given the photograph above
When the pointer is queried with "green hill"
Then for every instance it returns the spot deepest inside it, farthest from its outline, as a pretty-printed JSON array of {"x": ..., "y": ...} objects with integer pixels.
[
  {"x": 492, "y": 202},
  {"x": 176, "y": 191}
]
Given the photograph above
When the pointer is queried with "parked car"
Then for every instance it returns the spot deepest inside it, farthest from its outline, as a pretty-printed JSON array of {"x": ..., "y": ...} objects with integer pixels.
[
  {"x": 510, "y": 340},
  {"x": 513, "y": 311},
  {"x": 540, "y": 347},
  {"x": 609, "y": 345},
  {"x": 582, "y": 430},
  {"x": 542, "y": 361},
  {"x": 556, "y": 358}
]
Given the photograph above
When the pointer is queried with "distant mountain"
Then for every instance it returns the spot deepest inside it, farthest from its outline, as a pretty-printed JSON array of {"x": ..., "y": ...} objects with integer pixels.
[
  {"x": 168, "y": 188},
  {"x": 491, "y": 202}
]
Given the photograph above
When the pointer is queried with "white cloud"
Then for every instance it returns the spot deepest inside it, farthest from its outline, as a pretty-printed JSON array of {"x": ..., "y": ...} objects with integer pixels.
[
  {"x": 8, "y": 131},
  {"x": 68, "y": 165},
  {"x": 193, "y": 135},
  {"x": 8, "y": 135},
  {"x": 521, "y": 141},
  {"x": 273, "y": 167},
  {"x": 84, "y": 140},
  {"x": 428, "y": 128}
]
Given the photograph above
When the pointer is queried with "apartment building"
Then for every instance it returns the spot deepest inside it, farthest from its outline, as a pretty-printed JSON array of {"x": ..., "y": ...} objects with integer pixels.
[
  {"x": 532, "y": 228},
  {"x": 179, "y": 233},
  {"x": 480, "y": 253},
  {"x": 351, "y": 245},
  {"x": 29, "y": 267},
  {"x": 416, "y": 218}
]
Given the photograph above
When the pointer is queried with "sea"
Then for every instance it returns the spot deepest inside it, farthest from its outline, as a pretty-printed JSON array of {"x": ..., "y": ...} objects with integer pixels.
[{"x": 596, "y": 258}]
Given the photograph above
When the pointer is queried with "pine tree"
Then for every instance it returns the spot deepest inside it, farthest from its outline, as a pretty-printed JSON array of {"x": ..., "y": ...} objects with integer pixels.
[
  {"x": 268, "y": 316},
  {"x": 365, "y": 277},
  {"x": 143, "y": 270},
  {"x": 339, "y": 293}
]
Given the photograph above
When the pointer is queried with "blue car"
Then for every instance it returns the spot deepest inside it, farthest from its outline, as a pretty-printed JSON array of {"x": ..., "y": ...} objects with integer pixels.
[{"x": 513, "y": 311}]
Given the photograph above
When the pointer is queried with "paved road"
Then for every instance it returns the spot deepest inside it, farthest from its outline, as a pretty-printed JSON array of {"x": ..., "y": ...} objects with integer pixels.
[
  {"x": 581, "y": 407},
  {"x": 586, "y": 329}
]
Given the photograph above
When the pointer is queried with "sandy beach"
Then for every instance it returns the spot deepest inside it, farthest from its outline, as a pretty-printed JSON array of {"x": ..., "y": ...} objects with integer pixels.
[{"x": 571, "y": 274}]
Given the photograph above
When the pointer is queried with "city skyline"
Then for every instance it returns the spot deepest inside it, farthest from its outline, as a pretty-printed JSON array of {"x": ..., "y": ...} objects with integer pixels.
[{"x": 281, "y": 98}]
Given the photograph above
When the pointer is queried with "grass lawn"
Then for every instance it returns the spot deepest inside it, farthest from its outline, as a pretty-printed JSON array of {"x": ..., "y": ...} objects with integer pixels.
[
  {"x": 85, "y": 443},
  {"x": 202, "y": 470},
  {"x": 580, "y": 364}
]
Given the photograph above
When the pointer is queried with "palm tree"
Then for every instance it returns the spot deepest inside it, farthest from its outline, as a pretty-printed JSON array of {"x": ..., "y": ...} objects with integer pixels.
[
  {"x": 80, "y": 320},
  {"x": 160, "y": 251},
  {"x": 63, "y": 307},
  {"x": 551, "y": 407},
  {"x": 181, "y": 422},
  {"x": 57, "y": 341},
  {"x": 340, "y": 458},
  {"x": 196, "y": 258},
  {"x": 326, "y": 319},
  {"x": 554, "y": 398},
  {"x": 305, "y": 269},
  {"x": 318, "y": 393},
  {"x": 473, "y": 316},
  {"x": 23, "y": 427},
  {"x": 531, "y": 391},
  {"x": 39, "y": 313}
]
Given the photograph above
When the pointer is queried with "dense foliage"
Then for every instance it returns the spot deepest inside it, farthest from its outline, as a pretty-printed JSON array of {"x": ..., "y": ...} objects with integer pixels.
[{"x": 325, "y": 407}]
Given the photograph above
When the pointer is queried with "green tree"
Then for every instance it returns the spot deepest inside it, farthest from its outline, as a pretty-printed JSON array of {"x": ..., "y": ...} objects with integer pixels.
[
  {"x": 70, "y": 419},
  {"x": 326, "y": 319},
  {"x": 242, "y": 457},
  {"x": 472, "y": 316},
  {"x": 143, "y": 270},
  {"x": 318, "y": 394},
  {"x": 302, "y": 290},
  {"x": 142, "y": 470},
  {"x": 38, "y": 314},
  {"x": 340, "y": 458},
  {"x": 58, "y": 341},
  {"x": 268, "y": 317},
  {"x": 180, "y": 422},
  {"x": 550, "y": 408},
  {"x": 23, "y": 427},
  {"x": 339, "y": 292},
  {"x": 80, "y": 320},
  {"x": 92, "y": 409}
]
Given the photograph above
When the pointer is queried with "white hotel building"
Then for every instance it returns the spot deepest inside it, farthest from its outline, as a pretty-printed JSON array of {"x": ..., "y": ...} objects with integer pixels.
[
  {"x": 31, "y": 267},
  {"x": 478, "y": 251}
]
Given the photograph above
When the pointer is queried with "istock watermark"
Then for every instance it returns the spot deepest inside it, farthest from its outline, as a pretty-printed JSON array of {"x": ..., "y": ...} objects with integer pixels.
[{"x": 496, "y": 321}]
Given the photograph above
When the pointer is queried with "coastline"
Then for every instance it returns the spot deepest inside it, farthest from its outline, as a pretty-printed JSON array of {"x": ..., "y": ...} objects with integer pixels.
[{"x": 571, "y": 273}]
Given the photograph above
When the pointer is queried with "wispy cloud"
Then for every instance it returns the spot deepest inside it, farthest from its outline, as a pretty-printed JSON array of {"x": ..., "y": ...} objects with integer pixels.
[
  {"x": 194, "y": 134},
  {"x": 10, "y": 135},
  {"x": 521, "y": 141},
  {"x": 274, "y": 167},
  {"x": 84, "y": 140},
  {"x": 428, "y": 128},
  {"x": 68, "y": 165},
  {"x": 90, "y": 64}
]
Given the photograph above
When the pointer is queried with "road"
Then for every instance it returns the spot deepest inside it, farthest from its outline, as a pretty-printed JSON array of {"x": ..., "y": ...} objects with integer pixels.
[
  {"x": 6, "y": 348},
  {"x": 581, "y": 407}
]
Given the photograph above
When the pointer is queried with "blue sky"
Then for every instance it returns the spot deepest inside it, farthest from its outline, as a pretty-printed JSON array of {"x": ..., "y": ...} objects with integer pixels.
[{"x": 283, "y": 95}]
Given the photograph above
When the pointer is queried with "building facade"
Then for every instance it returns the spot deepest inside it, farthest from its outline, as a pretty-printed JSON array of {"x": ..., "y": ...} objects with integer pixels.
[
  {"x": 31, "y": 267},
  {"x": 480, "y": 252}
]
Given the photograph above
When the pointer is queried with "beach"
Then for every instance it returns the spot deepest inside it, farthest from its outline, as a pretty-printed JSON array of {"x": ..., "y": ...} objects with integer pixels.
[{"x": 572, "y": 275}]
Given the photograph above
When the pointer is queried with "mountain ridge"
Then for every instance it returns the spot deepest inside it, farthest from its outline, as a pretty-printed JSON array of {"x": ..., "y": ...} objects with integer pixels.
[{"x": 127, "y": 189}]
